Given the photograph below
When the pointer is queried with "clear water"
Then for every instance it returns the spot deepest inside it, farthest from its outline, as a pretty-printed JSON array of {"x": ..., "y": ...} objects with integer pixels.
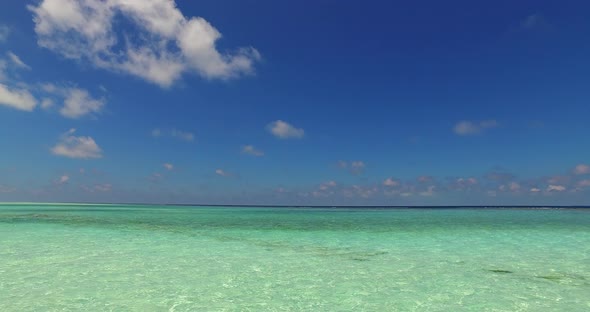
[{"x": 149, "y": 258}]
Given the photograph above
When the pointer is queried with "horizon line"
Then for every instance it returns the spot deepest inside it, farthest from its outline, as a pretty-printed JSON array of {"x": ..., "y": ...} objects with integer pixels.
[{"x": 293, "y": 206}]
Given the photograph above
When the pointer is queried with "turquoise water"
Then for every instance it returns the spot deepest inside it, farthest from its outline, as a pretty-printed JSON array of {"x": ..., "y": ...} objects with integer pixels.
[{"x": 150, "y": 258}]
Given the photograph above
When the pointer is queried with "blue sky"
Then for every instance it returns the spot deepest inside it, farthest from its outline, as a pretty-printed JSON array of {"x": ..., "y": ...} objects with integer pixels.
[{"x": 284, "y": 102}]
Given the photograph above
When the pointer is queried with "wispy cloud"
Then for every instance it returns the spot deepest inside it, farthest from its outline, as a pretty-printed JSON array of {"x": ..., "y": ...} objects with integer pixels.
[
  {"x": 223, "y": 173},
  {"x": 534, "y": 21},
  {"x": 4, "y": 33},
  {"x": 17, "y": 61},
  {"x": 168, "y": 166},
  {"x": 582, "y": 169},
  {"x": 251, "y": 150},
  {"x": 7, "y": 189},
  {"x": 472, "y": 128},
  {"x": 327, "y": 185},
  {"x": 284, "y": 130},
  {"x": 62, "y": 179},
  {"x": 76, "y": 146},
  {"x": 173, "y": 133},
  {"x": 354, "y": 167},
  {"x": 165, "y": 44}
]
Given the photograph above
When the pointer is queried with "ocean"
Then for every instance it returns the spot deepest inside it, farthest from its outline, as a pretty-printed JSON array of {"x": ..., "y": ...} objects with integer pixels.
[{"x": 58, "y": 257}]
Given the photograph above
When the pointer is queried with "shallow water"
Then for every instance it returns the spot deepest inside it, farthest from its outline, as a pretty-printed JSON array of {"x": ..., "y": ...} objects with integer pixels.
[{"x": 150, "y": 258}]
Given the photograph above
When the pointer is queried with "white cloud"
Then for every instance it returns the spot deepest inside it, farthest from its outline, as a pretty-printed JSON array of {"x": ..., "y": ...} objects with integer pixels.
[
  {"x": 467, "y": 181},
  {"x": 355, "y": 167},
  {"x": 164, "y": 45},
  {"x": 76, "y": 147},
  {"x": 327, "y": 185},
  {"x": 555, "y": 188},
  {"x": 49, "y": 87},
  {"x": 584, "y": 183},
  {"x": 183, "y": 135},
  {"x": 535, "y": 190},
  {"x": 4, "y": 32},
  {"x": 357, "y": 164},
  {"x": 46, "y": 103},
  {"x": 391, "y": 182},
  {"x": 534, "y": 21},
  {"x": 429, "y": 191},
  {"x": 174, "y": 133},
  {"x": 106, "y": 187},
  {"x": 155, "y": 177},
  {"x": 425, "y": 179},
  {"x": 251, "y": 150},
  {"x": 168, "y": 166},
  {"x": 222, "y": 173},
  {"x": 514, "y": 187},
  {"x": 364, "y": 192},
  {"x": 582, "y": 169},
  {"x": 79, "y": 102},
  {"x": 284, "y": 130},
  {"x": 17, "y": 98},
  {"x": 2, "y": 69},
  {"x": 17, "y": 61},
  {"x": 472, "y": 128},
  {"x": 63, "y": 179}
]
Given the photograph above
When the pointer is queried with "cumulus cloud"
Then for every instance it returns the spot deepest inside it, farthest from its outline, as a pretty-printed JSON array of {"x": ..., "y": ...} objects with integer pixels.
[
  {"x": 582, "y": 169},
  {"x": 164, "y": 45},
  {"x": 174, "y": 133},
  {"x": 251, "y": 150},
  {"x": 391, "y": 182},
  {"x": 168, "y": 166},
  {"x": 472, "y": 128},
  {"x": 535, "y": 190},
  {"x": 76, "y": 146},
  {"x": 284, "y": 130},
  {"x": 17, "y": 61},
  {"x": 555, "y": 188},
  {"x": 79, "y": 102},
  {"x": 20, "y": 99}
]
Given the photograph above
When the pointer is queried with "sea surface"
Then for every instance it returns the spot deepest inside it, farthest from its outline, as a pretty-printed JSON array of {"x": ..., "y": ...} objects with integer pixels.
[{"x": 165, "y": 258}]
